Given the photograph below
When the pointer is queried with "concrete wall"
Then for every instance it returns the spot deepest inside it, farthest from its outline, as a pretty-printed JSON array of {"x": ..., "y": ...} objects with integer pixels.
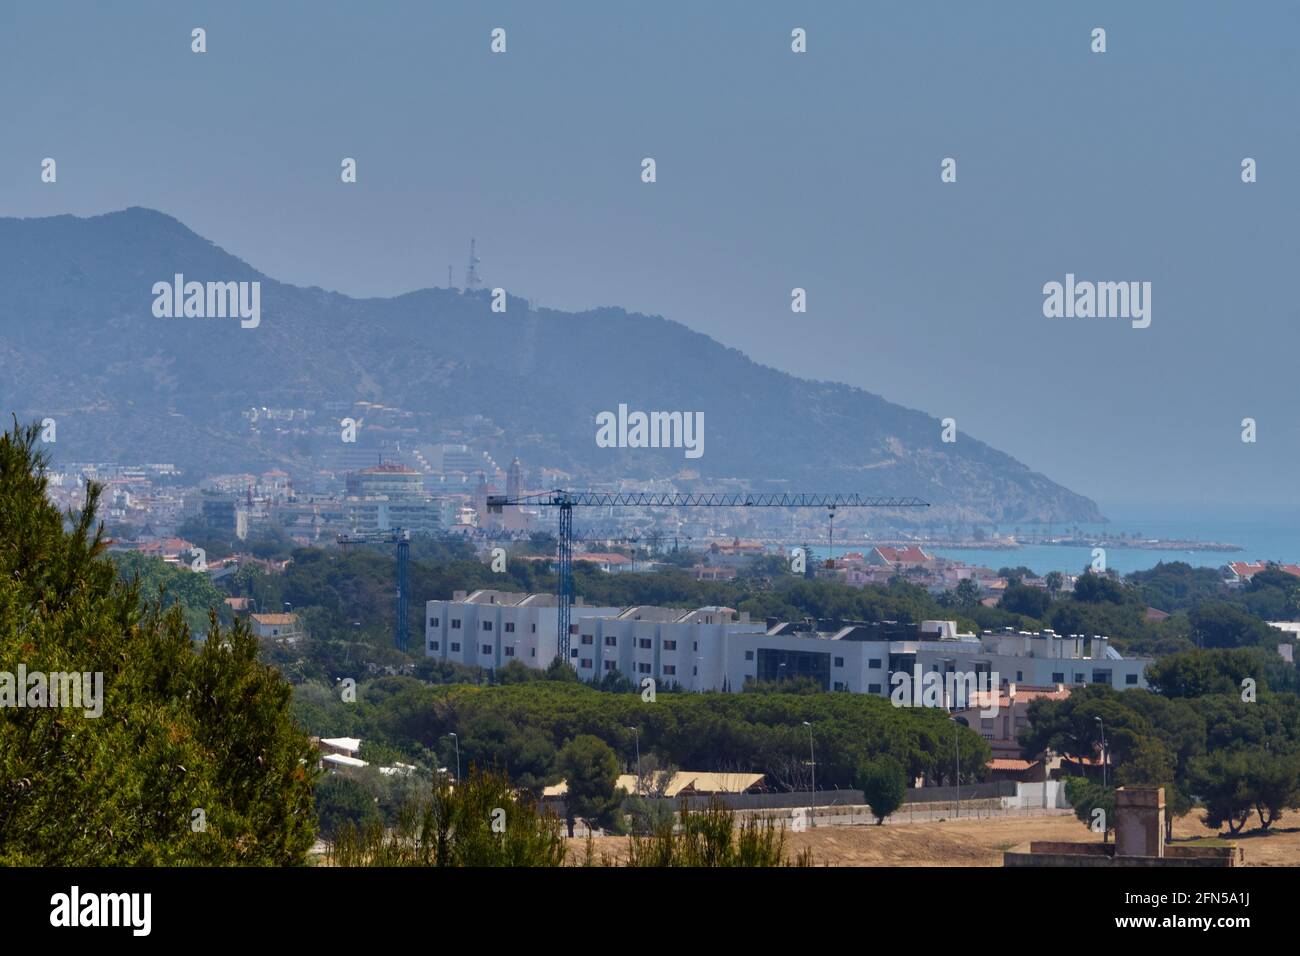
[{"x": 1030, "y": 795}]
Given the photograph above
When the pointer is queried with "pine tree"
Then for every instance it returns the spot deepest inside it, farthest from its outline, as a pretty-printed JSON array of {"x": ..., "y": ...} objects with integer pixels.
[{"x": 194, "y": 759}]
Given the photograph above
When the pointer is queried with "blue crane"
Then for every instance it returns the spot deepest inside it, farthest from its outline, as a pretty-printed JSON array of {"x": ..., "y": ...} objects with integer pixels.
[{"x": 402, "y": 539}]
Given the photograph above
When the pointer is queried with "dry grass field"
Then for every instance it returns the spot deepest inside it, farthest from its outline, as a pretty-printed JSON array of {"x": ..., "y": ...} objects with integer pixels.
[{"x": 981, "y": 842}]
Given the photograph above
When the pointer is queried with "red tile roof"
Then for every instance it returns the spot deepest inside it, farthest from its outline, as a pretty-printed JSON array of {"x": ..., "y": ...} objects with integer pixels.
[
  {"x": 1006, "y": 763},
  {"x": 1248, "y": 569},
  {"x": 909, "y": 555}
]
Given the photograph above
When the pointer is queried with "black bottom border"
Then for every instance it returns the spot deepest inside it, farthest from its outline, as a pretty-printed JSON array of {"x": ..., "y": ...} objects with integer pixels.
[{"x": 316, "y": 904}]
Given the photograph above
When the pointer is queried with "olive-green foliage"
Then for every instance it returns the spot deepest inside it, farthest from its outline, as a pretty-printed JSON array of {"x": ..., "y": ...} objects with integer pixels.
[
  {"x": 1023, "y": 599},
  {"x": 481, "y": 822},
  {"x": 1200, "y": 673},
  {"x": 184, "y": 728},
  {"x": 1177, "y": 586},
  {"x": 1087, "y": 798},
  {"x": 513, "y": 726},
  {"x": 1205, "y": 741},
  {"x": 884, "y": 785},
  {"x": 342, "y": 800},
  {"x": 590, "y": 771},
  {"x": 170, "y": 584},
  {"x": 1234, "y": 782},
  {"x": 645, "y": 815},
  {"x": 711, "y": 837}
]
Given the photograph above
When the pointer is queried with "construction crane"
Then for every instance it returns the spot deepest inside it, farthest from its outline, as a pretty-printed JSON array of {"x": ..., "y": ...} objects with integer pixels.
[
  {"x": 566, "y": 501},
  {"x": 402, "y": 539}
]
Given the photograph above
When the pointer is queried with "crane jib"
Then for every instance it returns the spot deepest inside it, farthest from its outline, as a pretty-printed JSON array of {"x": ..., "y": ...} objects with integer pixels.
[
  {"x": 594, "y": 499},
  {"x": 566, "y": 501}
]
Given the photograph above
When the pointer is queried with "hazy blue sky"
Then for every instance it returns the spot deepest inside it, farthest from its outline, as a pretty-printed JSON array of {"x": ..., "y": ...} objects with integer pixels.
[{"x": 775, "y": 170}]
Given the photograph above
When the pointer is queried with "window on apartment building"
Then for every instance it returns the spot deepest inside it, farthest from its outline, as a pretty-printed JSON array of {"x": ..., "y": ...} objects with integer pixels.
[
  {"x": 487, "y": 648},
  {"x": 1058, "y": 677},
  {"x": 433, "y": 622},
  {"x": 986, "y": 723},
  {"x": 642, "y": 668},
  {"x": 1020, "y": 675},
  {"x": 455, "y": 647},
  {"x": 455, "y": 622},
  {"x": 433, "y": 645},
  {"x": 573, "y": 629},
  {"x": 670, "y": 669},
  {"x": 644, "y": 643},
  {"x": 586, "y": 663},
  {"x": 573, "y": 653},
  {"x": 749, "y": 655},
  {"x": 487, "y": 625},
  {"x": 611, "y": 640},
  {"x": 532, "y": 652},
  {"x": 510, "y": 652},
  {"x": 839, "y": 662},
  {"x": 510, "y": 627},
  {"x": 695, "y": 671},
  {"x": 534, "y": 629},
  {"x": 609, "y": 665},
  {"x": 839, "y": 685},
  {"x": 696, "y": 647},
  {"x": 873, "y": 688},
  {"x": 587, "y": 639},
  {"x": 670, "y": 645},
  {"x": 1078, "y": 678},
  {"x": 874, "y": 663},
  {"x": 1130, "y": 679}
]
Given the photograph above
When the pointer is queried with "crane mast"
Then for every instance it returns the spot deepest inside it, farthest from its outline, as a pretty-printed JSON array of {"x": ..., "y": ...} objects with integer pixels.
[{"x": 401, "y": 538}]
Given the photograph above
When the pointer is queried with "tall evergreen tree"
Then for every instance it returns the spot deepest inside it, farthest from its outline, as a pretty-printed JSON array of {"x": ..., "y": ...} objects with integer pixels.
[{"x": 194, "y": 759}]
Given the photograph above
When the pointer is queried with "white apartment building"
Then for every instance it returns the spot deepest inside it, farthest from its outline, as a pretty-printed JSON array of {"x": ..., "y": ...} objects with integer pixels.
[{"x": 715, "y": 648}]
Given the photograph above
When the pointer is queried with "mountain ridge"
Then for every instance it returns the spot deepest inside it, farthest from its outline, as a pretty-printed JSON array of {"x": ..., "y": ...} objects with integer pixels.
[{"x": 78, "y": 341}]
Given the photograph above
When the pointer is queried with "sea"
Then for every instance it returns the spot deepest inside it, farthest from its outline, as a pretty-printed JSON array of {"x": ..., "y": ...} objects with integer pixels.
[{"x": 1265, "y": 533}]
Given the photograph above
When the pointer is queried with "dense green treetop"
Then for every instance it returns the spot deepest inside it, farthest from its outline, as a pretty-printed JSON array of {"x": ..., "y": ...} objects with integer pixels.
[{"x": 194, "y": 758}]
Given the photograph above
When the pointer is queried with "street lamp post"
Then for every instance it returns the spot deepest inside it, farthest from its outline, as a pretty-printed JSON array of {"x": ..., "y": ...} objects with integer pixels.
[
  {"x": 457, "y": 740},
  {"x": 1104, "y": 755},
  {"x": 956, "y": 743},
  {"x": 812, "y": 759}
]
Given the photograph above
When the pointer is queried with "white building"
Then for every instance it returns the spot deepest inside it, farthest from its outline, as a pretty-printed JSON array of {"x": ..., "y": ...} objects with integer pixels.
[
  {"x": 715, "y": 648},
  {"x": 281, "y": 627}
]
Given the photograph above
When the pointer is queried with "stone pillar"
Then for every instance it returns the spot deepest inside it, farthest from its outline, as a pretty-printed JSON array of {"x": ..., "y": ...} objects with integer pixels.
[{"x": 1140, "y": 821}]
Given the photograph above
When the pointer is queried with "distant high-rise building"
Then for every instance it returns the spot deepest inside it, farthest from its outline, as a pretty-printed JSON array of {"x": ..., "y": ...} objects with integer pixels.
[
  {"x": 388, "y": 479},
  {"x": 481, "y": 495},
  {"x": 390, "y": 495},
  {"x": 515, "y": 479},
  {"x": 225, "y": 512},
  {"x": 453, "y": 458}
]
